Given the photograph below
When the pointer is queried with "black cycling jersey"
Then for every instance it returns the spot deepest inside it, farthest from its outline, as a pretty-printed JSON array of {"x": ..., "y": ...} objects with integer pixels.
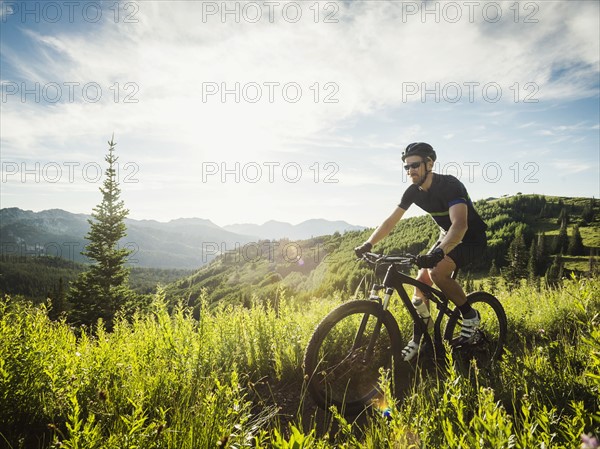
[{"x": 444, "y": 192}]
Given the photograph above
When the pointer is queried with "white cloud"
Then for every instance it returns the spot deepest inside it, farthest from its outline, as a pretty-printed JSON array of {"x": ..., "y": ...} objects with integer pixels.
[
  {"x": 372, "y": 57},
  {"x": 569, "y": 166}
]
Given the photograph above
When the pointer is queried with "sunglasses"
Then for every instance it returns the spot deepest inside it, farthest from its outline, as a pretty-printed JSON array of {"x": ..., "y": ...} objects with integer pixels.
[{"x": 413, "y": 165}]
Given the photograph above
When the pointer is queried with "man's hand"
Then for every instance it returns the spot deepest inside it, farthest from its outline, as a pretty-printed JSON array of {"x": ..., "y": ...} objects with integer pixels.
[
  {"x": 430, "y": 260},
  {"x": 364, "y": 248}
]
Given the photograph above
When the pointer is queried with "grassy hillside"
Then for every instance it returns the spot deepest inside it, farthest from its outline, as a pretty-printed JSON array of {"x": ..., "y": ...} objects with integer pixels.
[
  {"x": 232, "y": 378},
  {"x": 325, "y": 265},
  {"x": 223, "y": 368},
  {"x": 322, "y": 267}
]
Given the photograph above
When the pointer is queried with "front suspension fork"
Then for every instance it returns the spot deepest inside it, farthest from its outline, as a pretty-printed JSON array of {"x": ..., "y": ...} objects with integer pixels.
[{"x": 377, "y": 329}]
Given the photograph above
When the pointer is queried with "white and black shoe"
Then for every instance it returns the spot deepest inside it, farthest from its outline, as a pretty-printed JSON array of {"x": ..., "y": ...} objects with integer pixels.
[
  {"x": 411, "y": 350},
  {"x": 414, "y": 348},
  {"x": 468, "y": 333}
]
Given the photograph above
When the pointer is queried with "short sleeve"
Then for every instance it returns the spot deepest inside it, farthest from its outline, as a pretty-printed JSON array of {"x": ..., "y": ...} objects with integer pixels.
[
  {"x": 455, "y": 192},
  {"x": 409, "y": 197}
]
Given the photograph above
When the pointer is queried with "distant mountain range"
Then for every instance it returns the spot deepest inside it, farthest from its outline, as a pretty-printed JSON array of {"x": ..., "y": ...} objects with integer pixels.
[
  {"x": 276, "y": 230},
  {"x": 180, "y": 243}
]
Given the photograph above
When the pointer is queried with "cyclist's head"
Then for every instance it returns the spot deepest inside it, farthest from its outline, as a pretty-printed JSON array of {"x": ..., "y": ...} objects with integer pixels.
[{"x": 419, "y": 149}]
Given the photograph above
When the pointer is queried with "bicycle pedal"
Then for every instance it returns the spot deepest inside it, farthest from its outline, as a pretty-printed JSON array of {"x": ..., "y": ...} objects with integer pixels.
[{"x": 462, "y": 342}]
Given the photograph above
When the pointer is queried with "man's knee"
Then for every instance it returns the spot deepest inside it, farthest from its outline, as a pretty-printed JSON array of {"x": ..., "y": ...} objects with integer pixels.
[
  {"x": 440, "y": 274},
  {"x": 423, "y": 276}
]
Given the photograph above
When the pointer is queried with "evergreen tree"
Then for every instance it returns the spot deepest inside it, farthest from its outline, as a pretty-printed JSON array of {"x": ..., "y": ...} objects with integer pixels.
[
  {"x": 57, "y": 301},
  {"x": 103, "y": 289},
  {"x": 532, "y": 262},
  {"x": 492, "y": 285},
  {"x": 471, "y": 285},
  {"x": 555, "y": 271},
  {"x": 563, "y": 217},
  {"x": 588, "y": 212},
  {"x": 542, "y": 256},
  {"x": 493, "y": 269},
  {"x": 593, "y": 264},
  {"x": 561, "y": 243},
  {"x": 517, "y": 261},
  {"x": 468, "y": 285},
  {"x": 576, "y": 243}
]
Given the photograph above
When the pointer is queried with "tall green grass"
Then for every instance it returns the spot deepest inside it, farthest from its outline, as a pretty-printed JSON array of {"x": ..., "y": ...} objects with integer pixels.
[{"x": 167, "y": 380}]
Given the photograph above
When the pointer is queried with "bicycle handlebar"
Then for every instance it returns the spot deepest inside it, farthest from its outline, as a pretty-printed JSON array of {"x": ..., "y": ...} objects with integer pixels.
[{"x": 374, "y": 259}]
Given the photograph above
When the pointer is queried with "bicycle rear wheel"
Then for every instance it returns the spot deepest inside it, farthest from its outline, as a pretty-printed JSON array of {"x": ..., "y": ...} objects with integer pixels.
[
  {"x": 346, "y": 352},
  {"x": 490, "y": 338}
]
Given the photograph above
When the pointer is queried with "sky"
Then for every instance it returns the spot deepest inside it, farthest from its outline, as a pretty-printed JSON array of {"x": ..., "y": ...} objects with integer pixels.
[{"x": 244, "y": 112}]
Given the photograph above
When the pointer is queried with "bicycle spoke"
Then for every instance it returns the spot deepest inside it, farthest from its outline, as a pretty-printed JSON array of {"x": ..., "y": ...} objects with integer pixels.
[
  {"x": 490, "y": 336},
  {"x": 348, "y": 352}
]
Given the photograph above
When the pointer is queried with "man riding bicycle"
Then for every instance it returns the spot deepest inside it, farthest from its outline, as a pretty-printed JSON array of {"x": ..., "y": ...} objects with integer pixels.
[{"x": 462, "y": 238}]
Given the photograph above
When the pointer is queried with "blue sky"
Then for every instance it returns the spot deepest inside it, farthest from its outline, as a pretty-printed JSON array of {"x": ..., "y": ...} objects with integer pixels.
[{"x": 242, "y": 112}]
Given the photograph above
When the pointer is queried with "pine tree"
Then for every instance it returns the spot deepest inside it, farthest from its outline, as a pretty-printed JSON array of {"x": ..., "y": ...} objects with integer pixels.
[
  {"x": 588, "y": 212},
  {"x": 517, "y": 261},
  {"x": 563, "y": 217},
  {"x": 103, "y": 289},
  {"x": 555, "y": 271},
  {"x": 532, "y": 263},
  {"x": 542, "y": 255},
  {"x": 493, "y": 285},
  {"x": 576, "y": 243},
  {"x": 561, "y": 243},
  {"x": 468, "y": 285},
  {"x": 57, "y": 301},
  {"x": 471, "y": 285},
  {"x": 493, "y": 269},
  {"x": 593, "y": 264}
]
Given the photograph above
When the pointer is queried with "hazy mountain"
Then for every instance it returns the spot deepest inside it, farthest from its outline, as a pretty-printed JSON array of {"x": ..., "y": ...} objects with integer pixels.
[
  {"x": 181, "y": 243},
  {"x": 310, "y": 268},
  {"x": 275, "y": 230}
]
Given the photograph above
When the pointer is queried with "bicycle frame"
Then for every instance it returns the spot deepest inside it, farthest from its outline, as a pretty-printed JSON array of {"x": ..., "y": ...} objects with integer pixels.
[
  {"x": 359, "y": 338},
  {"x": 395, "y": 280}
]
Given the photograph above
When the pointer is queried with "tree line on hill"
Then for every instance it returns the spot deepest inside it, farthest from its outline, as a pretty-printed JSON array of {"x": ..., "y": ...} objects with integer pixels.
[
  {"x": 521, "y": 245},
  {"x": 532, "y": 255},
  {"x": 523, "y": 242}
]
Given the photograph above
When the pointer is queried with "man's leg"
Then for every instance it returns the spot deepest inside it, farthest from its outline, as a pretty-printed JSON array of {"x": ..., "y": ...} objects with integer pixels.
[
  {"x": 422, "y": 276},
  {"x": 442, "y": 277},
  {"x": 421, "y": 304},
  {"x": 419, "y": 301}
]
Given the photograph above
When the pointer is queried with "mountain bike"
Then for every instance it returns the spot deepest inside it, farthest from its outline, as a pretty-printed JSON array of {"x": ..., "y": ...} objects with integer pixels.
[{"x": 351, "y": 346}]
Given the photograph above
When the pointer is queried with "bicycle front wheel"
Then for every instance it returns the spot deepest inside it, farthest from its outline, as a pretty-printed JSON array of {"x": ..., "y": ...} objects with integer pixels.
[
  {"x": 490, "y": 338},
  {"x": 347, "y": 352}
]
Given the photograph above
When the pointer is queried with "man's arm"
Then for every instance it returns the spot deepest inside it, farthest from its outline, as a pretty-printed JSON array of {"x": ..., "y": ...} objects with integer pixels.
[
  {"x": 458, "y": 228},
  {"x": 386, "y": 227}
]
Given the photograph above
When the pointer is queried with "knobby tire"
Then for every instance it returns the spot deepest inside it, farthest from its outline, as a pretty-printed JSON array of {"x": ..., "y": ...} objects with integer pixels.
[
  {"x": 339, "y": 370},
  {"x": 491, "y": 336}
]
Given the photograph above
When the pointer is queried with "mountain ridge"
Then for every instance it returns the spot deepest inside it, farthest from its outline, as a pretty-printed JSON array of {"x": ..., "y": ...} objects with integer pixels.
[
  {"x": 323, "y": 265},
  {"x": 178, "y": 243},
  {"x": 327, "y": 265},
  {"x": 274, "y": 229}
]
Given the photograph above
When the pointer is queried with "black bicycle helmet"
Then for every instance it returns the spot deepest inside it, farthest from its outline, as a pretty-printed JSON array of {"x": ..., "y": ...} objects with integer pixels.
[{"x": 419, "y": 149}]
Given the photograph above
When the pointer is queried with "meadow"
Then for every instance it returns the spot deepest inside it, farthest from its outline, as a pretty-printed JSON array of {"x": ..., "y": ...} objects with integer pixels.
[{"x": 231, "y": 376}]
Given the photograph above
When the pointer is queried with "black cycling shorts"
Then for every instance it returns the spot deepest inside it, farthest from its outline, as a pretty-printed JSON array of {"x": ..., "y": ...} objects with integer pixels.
[{"x": 465, "y": 253}]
